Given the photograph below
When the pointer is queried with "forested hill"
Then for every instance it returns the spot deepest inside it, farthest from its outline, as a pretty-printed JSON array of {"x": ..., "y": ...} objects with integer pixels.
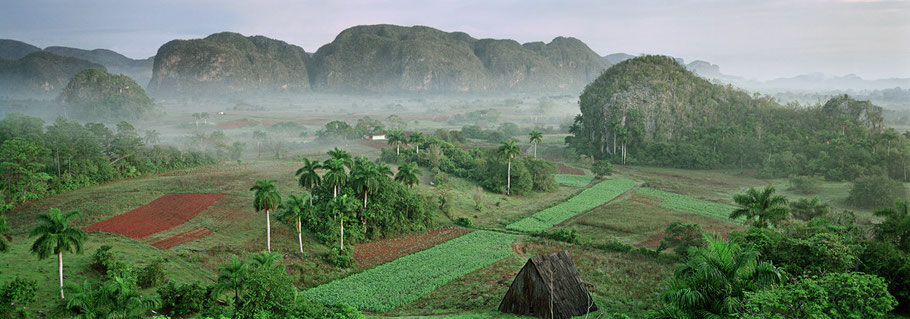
[
  {"x": 389, "y": 58},
  {"x": 15, "y": 50},
  {"x": 662, "y": 114},
  {"x": 377, "y": 59},
  {"x": 39, "y": 74},
  {"x": 228, "y": 63},
  {"x": 116, "y": 63}
]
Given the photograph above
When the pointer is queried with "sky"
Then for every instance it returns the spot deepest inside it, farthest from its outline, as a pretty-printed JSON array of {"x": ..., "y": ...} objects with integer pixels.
[{"x": 749, "y": 38}]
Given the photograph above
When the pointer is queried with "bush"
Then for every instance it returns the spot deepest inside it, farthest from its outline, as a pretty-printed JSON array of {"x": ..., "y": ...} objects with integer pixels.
[
  {"x": 805, "y": 184},
  {"x": 181, "y": 300},
  {"x": 15, "y": 297},
  {"x": 565, "y": 235},
  {"x": 602, "y": 169},
  {"x": 464, "y": 222},
  {"x": 681, "y": 236},
  {"x": 876, "y": 191},
  {"x": 105, "y": 262},
  {"x": 267, "y": 289},
  {"x": 151, "y": 275},
  {"x": 341, "y": 258},
  {"x": 834, "y": 295}
]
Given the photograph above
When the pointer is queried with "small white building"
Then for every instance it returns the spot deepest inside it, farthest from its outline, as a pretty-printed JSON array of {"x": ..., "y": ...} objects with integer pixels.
[{"x": 376, "y": 136}]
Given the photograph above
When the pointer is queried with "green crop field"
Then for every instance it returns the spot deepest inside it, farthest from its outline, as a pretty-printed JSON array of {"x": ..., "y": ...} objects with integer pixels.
[
  {"x": 405, "y": 279},
  {"x": 587, "y": 199},
  {"x": 688, "y": 204},
  {"x": 573, "y": 180}
]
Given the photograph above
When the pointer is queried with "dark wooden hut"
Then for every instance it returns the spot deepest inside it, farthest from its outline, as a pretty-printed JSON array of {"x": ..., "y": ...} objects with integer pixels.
[{"x": 550, "y": 287}]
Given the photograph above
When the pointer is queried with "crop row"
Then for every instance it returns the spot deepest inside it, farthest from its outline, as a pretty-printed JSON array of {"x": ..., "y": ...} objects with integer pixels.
[
  {"x": 405, "y": 279},
  {"x": 592, "y": 197},
  {"x": 573, "y": 180},
  {"x": 684, "y": 203}
]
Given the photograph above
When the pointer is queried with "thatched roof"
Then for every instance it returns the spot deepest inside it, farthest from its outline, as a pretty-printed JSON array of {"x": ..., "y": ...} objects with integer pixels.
[{"x": 548, "y": 286}]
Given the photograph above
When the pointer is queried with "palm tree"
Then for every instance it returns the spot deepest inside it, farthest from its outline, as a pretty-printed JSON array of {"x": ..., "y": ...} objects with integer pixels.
[
  {"x": 407, "y": 174},
  {"x": 295, "y": 210},
  {"x": 308, "y": 178},
  {"x": 713, "y": 281},
  {"x": 266, "y": 259},
  {"x": 267, "y": 199},
  {"x": 342, "y": 155},
  {"x": 335, "y": 175},
  {"x": 124, "y": 299},
  {"x": 508, "y": 150},
  {"x": 896, "y": 226},
  {"x": 231, "y": 276},
  {"x": 152, "y": 137},
  {"x": 396, "y": 137},
  {"x": 55, "y": 235},
  {"x": 416, "y": 139},
  {"x": 764, "y": 206},
  {"x": 341, "y": 206},
  {"x": 366, "y": 177},
  {"x": 536, "y": 138},
  {"x": 4, "y": 231}
]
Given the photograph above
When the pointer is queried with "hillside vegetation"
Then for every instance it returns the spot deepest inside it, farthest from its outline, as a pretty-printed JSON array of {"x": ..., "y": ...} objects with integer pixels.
[
  {"x": 39, "y": 74},
  {"x": 651, "y": 110},
  {"x": 96, "y": 94},
  {"x": 229, "y": 62}
]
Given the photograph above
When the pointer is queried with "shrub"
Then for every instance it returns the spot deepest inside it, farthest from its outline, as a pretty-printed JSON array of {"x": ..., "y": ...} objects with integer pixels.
[
  {"x": 876, "y": 191},
  {"x": 464, "y": 222},
  {"x": 187, "y": 299},
  {"x": 682, "y": 236},
  {"x": 101, "y": 259},
  {"x": 805, "y": 184},
  {"x": 340, "y": 258},
  {"x": 565, "y": 235},
  {"x": 892, "y": 264},
  {"x": 834, "y": 295},
  {"x": 806, "y": 209},
  {"x": 15, "y": 296},
  {"x": 151, "y": 275},
  {"x": 602, "y": 169}
]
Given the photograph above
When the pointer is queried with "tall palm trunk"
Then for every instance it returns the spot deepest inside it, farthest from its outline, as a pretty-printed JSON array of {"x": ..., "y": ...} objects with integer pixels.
[
  {"x": 509, "y": 178},
  {"x": 397, "y": 148},
  {"x": 418, "y": 148},
  {"x": 535, "y": 149},
  {"x": 299, "y": 235},
  {"x": 60, "y": 270},
  {"x": 268, "y": 231},
  {"x": 342, "y": 233}
]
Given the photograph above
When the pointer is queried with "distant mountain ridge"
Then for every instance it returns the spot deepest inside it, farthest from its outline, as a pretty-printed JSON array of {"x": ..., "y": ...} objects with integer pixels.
[
  {"x": 380, "y": 59},
  {"x": 15, "y": 50},
  {"x": 39, "y": 74},
  {"x": 116, "y": 63}
]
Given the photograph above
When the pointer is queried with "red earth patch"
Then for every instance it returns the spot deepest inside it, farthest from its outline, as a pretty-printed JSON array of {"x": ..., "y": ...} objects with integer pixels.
[
  {"x": 161, "y": 214},
  {"x": 563, "y": 169},
  {"x": 383, "y": 251},
  {"x": 185, "y": 237}
]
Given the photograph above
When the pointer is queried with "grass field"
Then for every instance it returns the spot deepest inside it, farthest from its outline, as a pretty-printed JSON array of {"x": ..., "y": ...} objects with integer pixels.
[
  {"x": 589, "y": 198},
  {"x": 405, "y": 279},
  {"x": 688, "y": 204}
]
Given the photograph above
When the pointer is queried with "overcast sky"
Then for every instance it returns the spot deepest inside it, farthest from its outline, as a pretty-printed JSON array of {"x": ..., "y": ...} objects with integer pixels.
[{"x": 751, "y": 38}]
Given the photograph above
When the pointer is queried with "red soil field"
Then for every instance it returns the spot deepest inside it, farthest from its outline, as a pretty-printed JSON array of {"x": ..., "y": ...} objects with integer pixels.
[
  {"x": 563, "y": 169},
  {"x": 654, "y": 241},
  {"x": 377, "y": 144},
  {"x": 383, "y": 251},
  {"x": 161, "y": 214},
  {"x": 181, "y": 238}
]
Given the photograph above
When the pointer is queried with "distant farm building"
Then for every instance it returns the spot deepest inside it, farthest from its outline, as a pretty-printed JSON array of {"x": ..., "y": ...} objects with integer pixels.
[
  {"x": 375, "y": 136},
  {"x": 549, "y": 287}
]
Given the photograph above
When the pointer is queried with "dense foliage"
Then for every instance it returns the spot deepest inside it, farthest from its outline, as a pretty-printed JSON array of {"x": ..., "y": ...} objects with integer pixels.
[
  {"x": 651, "y": 110},
  {"x": 95, "y": 94},
  {"x": 38, "y": 161},
  {"x": 833, "y": 295}
]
